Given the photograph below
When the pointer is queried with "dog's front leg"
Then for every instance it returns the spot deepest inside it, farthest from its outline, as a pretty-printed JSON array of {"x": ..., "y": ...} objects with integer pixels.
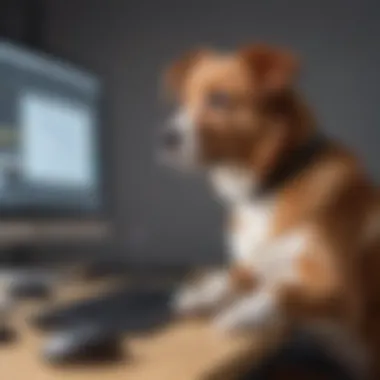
[
  {"x": 259, "y": 310},
  {"x": 214, "y": 290},
  {"x": 298, "y": 280},
  {"x": 274, "y": 266},
  {"x": 203, "y": 295}
]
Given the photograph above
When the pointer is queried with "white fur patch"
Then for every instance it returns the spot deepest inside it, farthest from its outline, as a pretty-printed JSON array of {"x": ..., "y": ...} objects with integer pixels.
[
  {"x": 236, "y": 186},
  {"x": 187, "y": 154},
  {"x": 182, "y": 121},
  {"x": 233, "y": 185},
  {"x": 249, "y": 243},
  {"x": 202, "y": 295},
  {"x": 273, "y": 263},
  {"x": 254, "y": 221}
]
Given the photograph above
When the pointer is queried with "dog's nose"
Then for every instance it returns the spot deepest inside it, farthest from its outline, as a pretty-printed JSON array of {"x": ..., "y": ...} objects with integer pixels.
[{"x": 171, "y": 139}]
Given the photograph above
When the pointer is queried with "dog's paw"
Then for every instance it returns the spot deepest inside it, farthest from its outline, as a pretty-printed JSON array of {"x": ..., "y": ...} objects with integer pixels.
[
  {"x": 185, "y": 301},
  {"x": 254, "y": 312},
  {"x": 201, "y": 296},
  {"x": 226, "y": 322}
]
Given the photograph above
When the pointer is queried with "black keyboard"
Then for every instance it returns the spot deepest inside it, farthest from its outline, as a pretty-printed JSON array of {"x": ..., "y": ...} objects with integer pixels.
[{"x": 121, "y": 311}]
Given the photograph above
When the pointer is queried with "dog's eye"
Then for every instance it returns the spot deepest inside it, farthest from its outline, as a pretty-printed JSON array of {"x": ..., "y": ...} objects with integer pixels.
[{"x": 218, "y": 100}]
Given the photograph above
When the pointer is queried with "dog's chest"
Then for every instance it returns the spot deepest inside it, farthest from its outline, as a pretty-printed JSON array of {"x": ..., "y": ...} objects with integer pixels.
[
  {"x": 250, "y": 228},
  {"x": 251, "y": 218}
]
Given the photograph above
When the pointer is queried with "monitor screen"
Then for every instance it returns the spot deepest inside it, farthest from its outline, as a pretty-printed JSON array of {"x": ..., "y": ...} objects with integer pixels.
[{"x": 49, "y": 136}]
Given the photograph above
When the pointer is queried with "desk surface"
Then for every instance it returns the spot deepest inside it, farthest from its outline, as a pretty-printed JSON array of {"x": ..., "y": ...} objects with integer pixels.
[{"x": 183, "y": 351}]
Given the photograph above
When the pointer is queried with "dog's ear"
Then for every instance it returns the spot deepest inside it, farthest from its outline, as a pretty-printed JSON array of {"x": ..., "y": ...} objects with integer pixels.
[
  {"x": 274, "y": 69},
  {"x": 176, "y": 73}
]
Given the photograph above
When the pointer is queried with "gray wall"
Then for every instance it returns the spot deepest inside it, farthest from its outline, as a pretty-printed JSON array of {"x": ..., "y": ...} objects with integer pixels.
[{"x": 160, "y": 214}]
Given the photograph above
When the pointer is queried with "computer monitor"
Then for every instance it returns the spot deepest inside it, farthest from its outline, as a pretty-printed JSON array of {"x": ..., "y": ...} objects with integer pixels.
[{"x": 51, "y": 154}]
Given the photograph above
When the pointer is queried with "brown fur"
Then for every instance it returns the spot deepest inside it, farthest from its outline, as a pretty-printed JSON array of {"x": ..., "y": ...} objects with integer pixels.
[
  {"x": 263, "y": 121},
  {"x": 242, "y": 279}
]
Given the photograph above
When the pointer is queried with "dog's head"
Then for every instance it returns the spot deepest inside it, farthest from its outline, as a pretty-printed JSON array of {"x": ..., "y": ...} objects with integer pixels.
[{"x": 231, "y": 108}]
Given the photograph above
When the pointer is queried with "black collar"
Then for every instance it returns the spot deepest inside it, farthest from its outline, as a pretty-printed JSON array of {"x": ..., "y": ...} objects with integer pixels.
[{"x": 296, "y": 161}]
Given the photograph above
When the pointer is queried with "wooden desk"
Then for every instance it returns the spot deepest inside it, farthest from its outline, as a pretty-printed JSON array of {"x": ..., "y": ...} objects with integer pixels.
[{"x": 183, "y": 351}]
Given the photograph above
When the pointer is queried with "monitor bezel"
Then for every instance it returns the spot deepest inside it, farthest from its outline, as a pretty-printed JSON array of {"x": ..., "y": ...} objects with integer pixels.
[{"x": 102, "y": 141}]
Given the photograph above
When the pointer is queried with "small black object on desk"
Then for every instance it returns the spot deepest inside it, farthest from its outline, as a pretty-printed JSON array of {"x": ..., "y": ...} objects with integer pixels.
[
  {"x": 29, "y": 283},
  {"x": 300, "y": 352},
  {"x": 7, "y": 334},
  {"x": 83, "y": 343}
]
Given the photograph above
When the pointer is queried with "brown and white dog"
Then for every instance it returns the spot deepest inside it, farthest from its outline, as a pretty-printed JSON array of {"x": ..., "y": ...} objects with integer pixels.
[{"x": 304, "y": 219}]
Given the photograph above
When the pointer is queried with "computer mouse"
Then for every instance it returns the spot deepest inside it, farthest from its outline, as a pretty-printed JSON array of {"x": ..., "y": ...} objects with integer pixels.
[{"x": 82, "y": 343}]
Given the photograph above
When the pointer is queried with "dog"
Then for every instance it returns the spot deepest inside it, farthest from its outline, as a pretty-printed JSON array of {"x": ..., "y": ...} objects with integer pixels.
[{"x": 303, "y": 216}]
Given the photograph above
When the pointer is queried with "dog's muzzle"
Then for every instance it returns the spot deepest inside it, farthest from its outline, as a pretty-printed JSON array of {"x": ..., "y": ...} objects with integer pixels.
[{"x": 179, "y": 141}]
